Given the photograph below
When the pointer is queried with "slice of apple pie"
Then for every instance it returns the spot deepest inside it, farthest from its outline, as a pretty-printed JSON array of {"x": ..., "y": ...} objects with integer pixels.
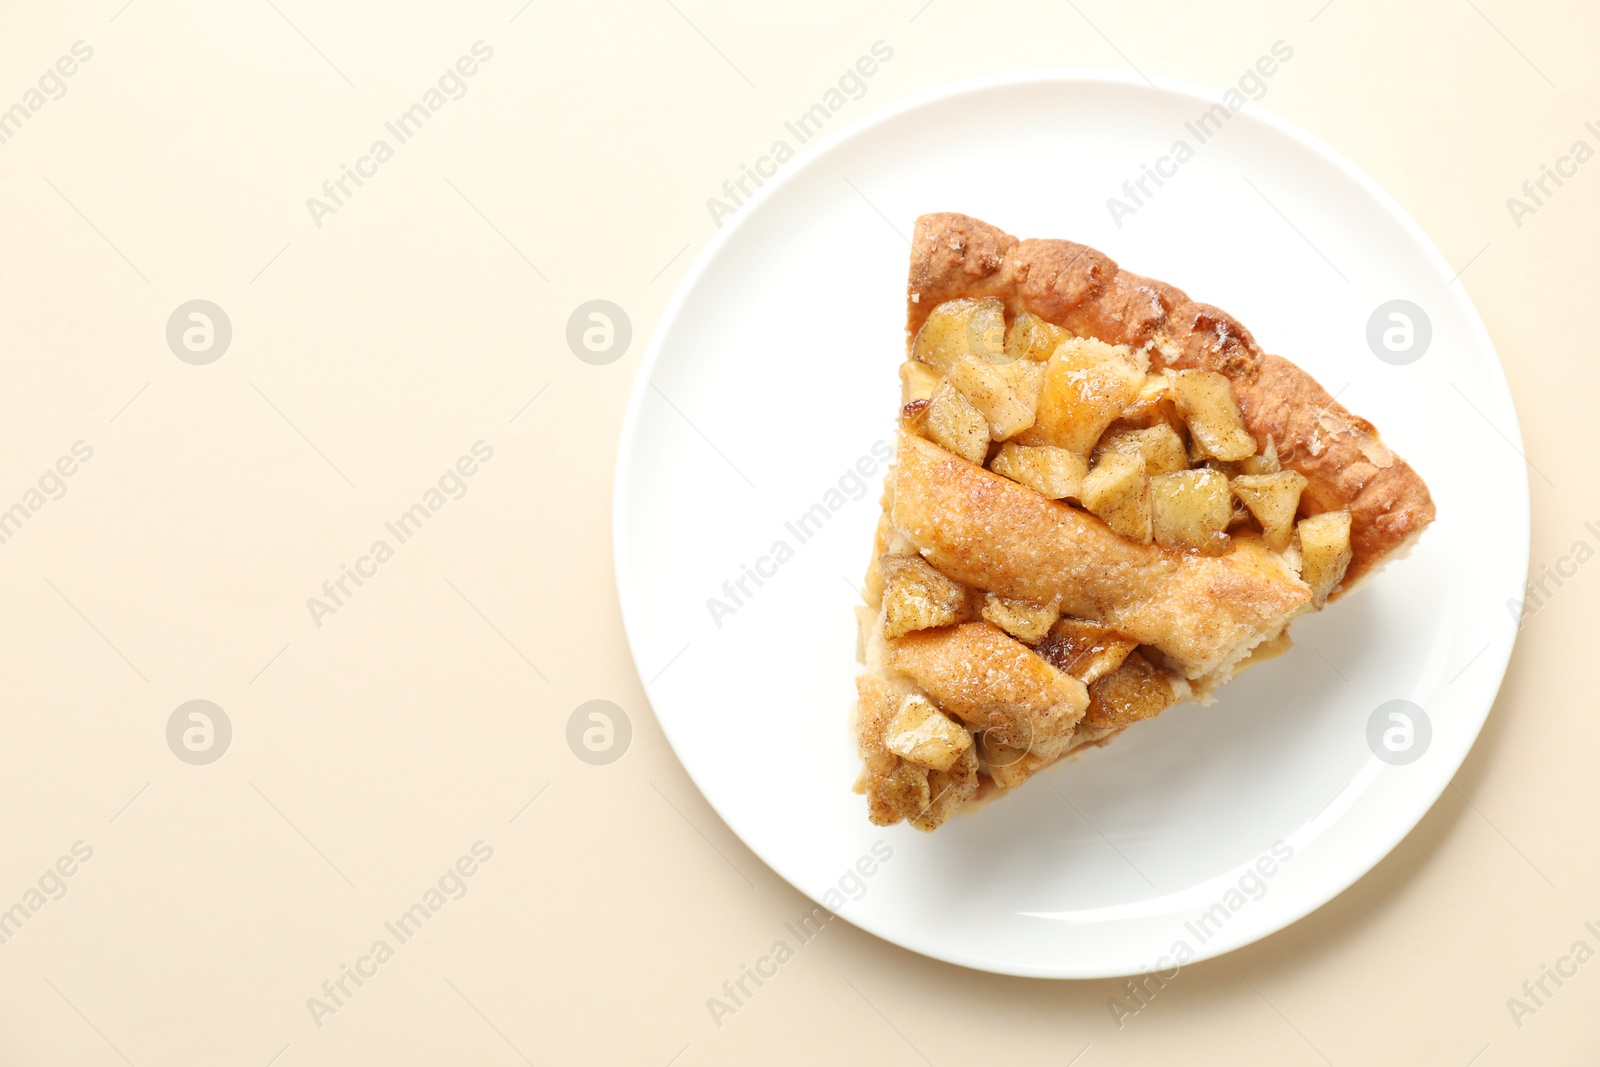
[{"x": 1106, "y": 499}]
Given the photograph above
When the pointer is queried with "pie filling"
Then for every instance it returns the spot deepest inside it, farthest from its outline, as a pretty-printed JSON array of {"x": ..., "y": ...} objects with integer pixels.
[{"x": 1073, "y": 540}]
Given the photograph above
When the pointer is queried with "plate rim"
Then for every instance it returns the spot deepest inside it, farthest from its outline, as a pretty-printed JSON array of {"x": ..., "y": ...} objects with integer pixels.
[{"x": 1498, "y": 653}]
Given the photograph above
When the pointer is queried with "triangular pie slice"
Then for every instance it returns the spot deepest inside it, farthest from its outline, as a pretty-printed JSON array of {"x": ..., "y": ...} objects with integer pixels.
[{"x": 1106, "y": 500}]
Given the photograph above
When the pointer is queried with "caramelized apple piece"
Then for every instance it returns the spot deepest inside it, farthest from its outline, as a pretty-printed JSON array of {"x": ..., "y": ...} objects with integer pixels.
[
  {"x": 1117, "y": 492},
  {"x": 1136, "y": 690},
  {"x": 1153, "y": 405},
  {"x": 1052, "y": 472},
  {"x": 964, "y": 327},
  {"x": 1026, "y": 379},
  {"x": 951, "y": 422},
  {"x": 1006, "y": 397},
  {"x": 1191, "y": 509},
  {"x": 1022, "y": 620},
  {"x": 917, "y": 597},
  {"x": 1158, "y": 443},
  {"x": 1266, "y": 462},
  {"x": 1273, "y": 500},
  {"x": 1206, "y": 402},
  {"x": 1087, "y": 384},
  {"x": 1085, "y": 649},
  {"x": 1324, "y": 552},
  {"x": 1031, "y": 338},
  {"x": 924, "y": 735}
]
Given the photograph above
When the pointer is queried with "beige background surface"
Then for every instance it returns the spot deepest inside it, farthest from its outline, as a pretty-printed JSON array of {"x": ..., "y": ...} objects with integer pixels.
[{"x": 425, "y": 714}]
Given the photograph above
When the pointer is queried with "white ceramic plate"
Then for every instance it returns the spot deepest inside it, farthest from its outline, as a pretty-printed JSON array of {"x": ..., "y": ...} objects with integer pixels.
[{"x": 770, "y": 385}]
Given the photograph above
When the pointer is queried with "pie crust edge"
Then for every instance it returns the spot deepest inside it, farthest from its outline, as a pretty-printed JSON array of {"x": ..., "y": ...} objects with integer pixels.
[{"x": 1081, "y": 289}]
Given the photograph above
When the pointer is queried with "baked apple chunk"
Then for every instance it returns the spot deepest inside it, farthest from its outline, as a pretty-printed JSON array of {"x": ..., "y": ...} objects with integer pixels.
[{"x": 1106, "y": 500}]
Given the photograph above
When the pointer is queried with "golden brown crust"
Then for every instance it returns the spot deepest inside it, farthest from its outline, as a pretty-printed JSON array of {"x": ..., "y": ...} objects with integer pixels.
[
  {"x": 987, "y": 531},
  {"x": 1195, "y": 616},
  {"x": 992, "y": 682},
  {"x": 1083, "y": 290}
]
